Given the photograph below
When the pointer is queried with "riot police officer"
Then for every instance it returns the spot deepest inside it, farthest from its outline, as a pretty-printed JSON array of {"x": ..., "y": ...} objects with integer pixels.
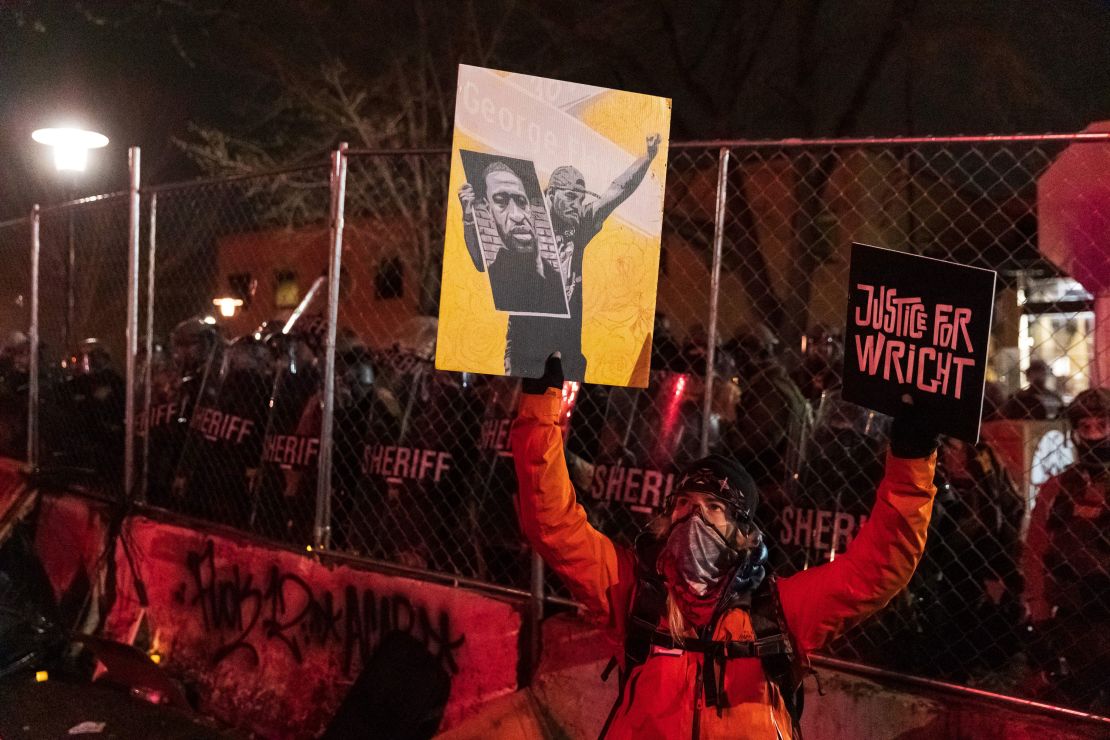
[
  {"x": 283, "y": 505},
  {"x": 195, "y": 346},
  {"x": 1067, "y": 562},
  {"x": 224, "y": 442},
  {"x": 95, "y": 400}
]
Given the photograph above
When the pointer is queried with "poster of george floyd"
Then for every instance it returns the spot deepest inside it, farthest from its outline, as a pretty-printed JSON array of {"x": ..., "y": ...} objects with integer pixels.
[
  {"x": 920, "y": 326},
  {"x": 554, "y": 217}
]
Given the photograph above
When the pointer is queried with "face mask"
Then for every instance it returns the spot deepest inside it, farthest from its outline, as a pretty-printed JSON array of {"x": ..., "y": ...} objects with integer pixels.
[
  {"x": 1094, "y": 453},
  {"x": 697, "y": 560}
]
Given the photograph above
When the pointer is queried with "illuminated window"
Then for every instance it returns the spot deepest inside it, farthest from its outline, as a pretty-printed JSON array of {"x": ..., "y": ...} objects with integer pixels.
[{"x": 286, "y": 292}]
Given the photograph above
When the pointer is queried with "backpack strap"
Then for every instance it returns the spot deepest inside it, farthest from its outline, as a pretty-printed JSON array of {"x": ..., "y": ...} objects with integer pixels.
[
  {"x": 649, "y": 602},
  {"x": 769, "y": 645},
  {"x": 783, "y": 668}
]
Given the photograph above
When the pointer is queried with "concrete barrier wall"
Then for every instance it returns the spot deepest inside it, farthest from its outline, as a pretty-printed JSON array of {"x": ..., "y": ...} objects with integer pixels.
[
  {"x": 272, "y": 640},
  {"x": 569, "y": 700}
]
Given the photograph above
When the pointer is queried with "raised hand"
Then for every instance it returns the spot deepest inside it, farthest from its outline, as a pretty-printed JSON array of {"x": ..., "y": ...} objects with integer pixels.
[
  {"x": 552, "y": 377},
  {"x": 912, "y": 434},
  {"x": 466, "y": 198}
]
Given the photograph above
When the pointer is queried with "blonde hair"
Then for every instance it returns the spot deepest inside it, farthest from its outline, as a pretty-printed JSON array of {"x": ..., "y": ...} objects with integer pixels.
[{"x": 676, "y": 623}]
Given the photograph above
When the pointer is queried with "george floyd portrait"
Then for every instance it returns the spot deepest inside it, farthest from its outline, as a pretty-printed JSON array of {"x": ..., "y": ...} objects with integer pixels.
[
  {"x": 509, "y": 235},
  {"x": 553, "y": 228}
]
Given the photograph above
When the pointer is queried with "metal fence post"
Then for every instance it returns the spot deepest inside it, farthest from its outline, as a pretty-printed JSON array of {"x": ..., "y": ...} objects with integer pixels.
[
  {"x": 71, "y": 278},
  {"x": 152, "y": 240},
  {"x": 322, "y": 528},
  {"x": 33, "y": 341},
  {"x": 535, "y": 616},
  {"x": 714, "y": 295},
  {"x": 132, "y": 322}
]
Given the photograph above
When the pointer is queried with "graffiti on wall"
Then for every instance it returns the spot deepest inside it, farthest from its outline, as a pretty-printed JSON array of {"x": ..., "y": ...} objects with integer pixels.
[{"x": 283, "y": 608}]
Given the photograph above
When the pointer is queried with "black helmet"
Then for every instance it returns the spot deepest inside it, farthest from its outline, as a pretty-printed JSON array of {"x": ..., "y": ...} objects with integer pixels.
[
  {"x": 353, "y": 359},
  {"x": 193, "y": 330},
  {"x": 91, "y": 357},
  {"x": 1093, "y": 402},
  {"x": 193, "y": 341},
  {"x": 695, "y": 358},
  {"x": 268, "y": 330},
  {"x": 754, "y": 343},
  {"x": 723, "y": 478},
  {"x": 311, "y": 329},
  {"x": 823, "y": 341},
  {"x": 248, "y": 353}
]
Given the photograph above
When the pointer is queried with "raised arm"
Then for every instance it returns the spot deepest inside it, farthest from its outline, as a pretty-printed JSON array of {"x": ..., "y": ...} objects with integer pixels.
[
  {"x": 598, "y": 573},
  {"x": 820, "y": 603},
  {"x": 626, "y": 183},
  {"x": 470, "y": 227}
]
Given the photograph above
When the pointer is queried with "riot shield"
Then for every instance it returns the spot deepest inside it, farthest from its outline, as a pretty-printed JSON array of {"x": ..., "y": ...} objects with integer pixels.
[
  {"x": 223, "y": 443},
  {"x": 284, "y": 490},
  {"x": 283, "y": 496},
  {"x": 969, "y": 572},
  {"x": 504, "y": 555},
  {"x": 832, "y": 486},
  {"x": 166, "y": 407},
  {"x": 627, "y": 444},
  {"x": 356, "y": 378},
  {"x": 419, "y": 464},
  {"x": 93, "y": 401}
]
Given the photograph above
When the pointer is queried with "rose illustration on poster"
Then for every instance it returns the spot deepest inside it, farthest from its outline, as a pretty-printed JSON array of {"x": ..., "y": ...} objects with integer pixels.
[
  {"x": 918, "y": 326},
  {"x": 553, "y": 228}
]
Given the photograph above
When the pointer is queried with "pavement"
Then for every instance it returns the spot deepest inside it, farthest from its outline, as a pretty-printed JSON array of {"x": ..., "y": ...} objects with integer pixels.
[{"x": 55, "y": 709}]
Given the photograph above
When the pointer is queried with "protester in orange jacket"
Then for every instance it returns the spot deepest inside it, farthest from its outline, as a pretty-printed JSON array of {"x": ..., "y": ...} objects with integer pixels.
[{"x": 708, "y": 643}]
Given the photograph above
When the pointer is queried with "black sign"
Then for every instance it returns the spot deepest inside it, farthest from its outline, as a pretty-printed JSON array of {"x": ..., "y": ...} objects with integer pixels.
[{"x": 920, "y": 326}]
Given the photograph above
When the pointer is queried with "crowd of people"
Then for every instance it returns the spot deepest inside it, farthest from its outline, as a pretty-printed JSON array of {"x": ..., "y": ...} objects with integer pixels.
[{"x": 422, "y": 475}]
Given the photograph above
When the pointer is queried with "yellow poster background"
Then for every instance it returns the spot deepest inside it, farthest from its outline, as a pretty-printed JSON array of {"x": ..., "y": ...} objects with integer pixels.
[{"x": 620, "y": 264}]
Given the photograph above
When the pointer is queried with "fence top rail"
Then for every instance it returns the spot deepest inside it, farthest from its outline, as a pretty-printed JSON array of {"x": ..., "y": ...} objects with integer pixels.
[
  {"x": 791, "y": 143},
  {"x": 77, "y": 202},
  {"x": 1075, "y": 138},
  {"x": 22, "y": 220},
  {"x": 399, "y": 152},
  {"x": 960, "y": 690},
  {"x": 221, "y": 179}
]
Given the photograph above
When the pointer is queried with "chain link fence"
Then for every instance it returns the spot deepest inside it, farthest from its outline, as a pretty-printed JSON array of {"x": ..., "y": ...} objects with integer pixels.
[
  {"x": 235, "y": 298},
  {"x": 231, "y": 379},
  {"x": 15, "y": 322},
  {"x": 82, "y": 320}
]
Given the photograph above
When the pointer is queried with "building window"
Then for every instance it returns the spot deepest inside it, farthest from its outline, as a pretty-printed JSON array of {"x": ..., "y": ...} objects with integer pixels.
[
  {"x": 287, "y": 294},
  {"x": 390, "y": 280}
]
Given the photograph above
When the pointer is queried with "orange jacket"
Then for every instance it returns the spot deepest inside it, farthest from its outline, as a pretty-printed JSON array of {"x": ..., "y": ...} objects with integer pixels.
[{"x": 662, "y": 698}]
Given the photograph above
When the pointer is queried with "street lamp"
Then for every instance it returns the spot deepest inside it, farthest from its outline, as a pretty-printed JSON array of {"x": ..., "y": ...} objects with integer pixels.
[
  {"x": 71, "y": 146},
  {"x": 227, "y": 305},
  {"x": 71, "y": 154}
]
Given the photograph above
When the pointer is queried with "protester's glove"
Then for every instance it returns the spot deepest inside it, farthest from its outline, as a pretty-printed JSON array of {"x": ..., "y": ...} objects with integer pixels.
[
  {"x": 552, "y": 377},
  {"x": 912, "y": 435}
]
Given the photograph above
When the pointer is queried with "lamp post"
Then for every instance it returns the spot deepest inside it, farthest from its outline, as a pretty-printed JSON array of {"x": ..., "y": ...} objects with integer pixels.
[{"x": 71, "y": 155}]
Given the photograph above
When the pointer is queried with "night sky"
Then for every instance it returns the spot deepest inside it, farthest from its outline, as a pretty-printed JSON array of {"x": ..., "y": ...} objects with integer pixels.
[{"x": 141, "y": 72}]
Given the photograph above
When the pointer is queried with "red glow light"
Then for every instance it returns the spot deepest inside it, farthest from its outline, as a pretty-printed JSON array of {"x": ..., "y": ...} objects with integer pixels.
[{"x": 570, "y": 397}]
